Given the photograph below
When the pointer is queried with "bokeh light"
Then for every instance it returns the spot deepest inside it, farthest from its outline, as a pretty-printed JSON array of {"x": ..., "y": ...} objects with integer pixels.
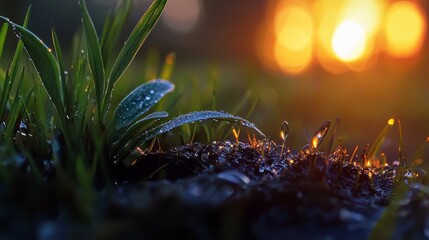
[
  {"x": 405, "y": 29},
  {"x": 182, "y": 16},
  {"x": 347, "y": 35},
  {"x": 294, "y": 38},
  {"x": 349, "y": 41}
]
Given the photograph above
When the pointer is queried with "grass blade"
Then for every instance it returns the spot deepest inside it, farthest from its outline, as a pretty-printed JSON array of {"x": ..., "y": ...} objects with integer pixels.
[
  {"x": 112, "y": 29},
  {"x": 3, "y": 33},
  {"x": 190, "y": 118},
  {"x": 45, "y": 64},
  {"x": 133, "y": 44},
  {"x": 13, "y": 67},
  {"x": 94, "y": 54},
  {"x": 136, "y": 129},
  {"x": 375, "y": 148},
  {"x": 59, "y": 56},
  {"x": 140, "y": 101}
]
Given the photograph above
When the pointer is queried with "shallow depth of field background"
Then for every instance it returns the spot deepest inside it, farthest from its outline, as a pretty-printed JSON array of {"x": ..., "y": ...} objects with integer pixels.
[{"x": 308, "y": 61}]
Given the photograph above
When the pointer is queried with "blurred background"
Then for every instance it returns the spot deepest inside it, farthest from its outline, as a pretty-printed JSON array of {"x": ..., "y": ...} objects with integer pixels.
[{"x": 306, "y": 61}]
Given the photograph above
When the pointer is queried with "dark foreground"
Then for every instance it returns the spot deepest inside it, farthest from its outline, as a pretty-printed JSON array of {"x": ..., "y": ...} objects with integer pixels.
[{"x": 224, "y": 191}]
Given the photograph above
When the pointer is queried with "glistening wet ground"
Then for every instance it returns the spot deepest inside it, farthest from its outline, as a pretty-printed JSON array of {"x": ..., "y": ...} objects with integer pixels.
[{"x": 260, "y": 191}]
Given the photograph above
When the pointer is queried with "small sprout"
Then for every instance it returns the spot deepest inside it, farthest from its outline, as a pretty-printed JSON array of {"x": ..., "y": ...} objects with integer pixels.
[
  {"x": 320, "y": 134},
  {"x": 253, "y": 142},
  {"x": 364, "y": 156},
  {"x": 284, "y": 133},
  {"x": 236, "y": 134},
  {"x": 353, "y": 154}
]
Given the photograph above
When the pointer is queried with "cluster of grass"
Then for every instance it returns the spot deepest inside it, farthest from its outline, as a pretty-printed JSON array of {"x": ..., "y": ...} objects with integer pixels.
[{"x": 59, "y": 120}]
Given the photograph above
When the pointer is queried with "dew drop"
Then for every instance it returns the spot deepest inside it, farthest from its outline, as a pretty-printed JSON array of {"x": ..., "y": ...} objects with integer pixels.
[
  {"x": 320, "y": 134},
  {"x": 147, "y": 98}
]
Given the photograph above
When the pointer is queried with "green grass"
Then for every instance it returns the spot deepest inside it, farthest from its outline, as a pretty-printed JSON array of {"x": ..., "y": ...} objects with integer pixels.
[{"x": 73, "y": 120}]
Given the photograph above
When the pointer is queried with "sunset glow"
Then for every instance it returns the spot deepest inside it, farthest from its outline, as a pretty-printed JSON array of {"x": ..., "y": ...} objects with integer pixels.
[
  {"x": 339, "y": 37},
  {"x": 405, "y": 29},
  {"x": 349, "y": 41},
  {"x": 293, "y": 46}
]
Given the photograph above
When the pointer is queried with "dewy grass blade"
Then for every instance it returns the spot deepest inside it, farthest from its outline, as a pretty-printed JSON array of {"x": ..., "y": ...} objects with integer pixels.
[
  {"x": 140, "y": 101},
  {"x": 94, "y": 55},
  {"x": 46, "y": 65},
  {"x": 190, "y": 118},
  {"x": 133, "y": 44}
]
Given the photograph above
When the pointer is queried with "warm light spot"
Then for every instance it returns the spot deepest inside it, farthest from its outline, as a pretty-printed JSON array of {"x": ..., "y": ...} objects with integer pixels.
[
  {"x": 340, "y": 36},
  {"x": 405, "y": 29},
  {"x": 315, "y": 142},
  {"x": 368, "y": 163},
  {"x": 349, "y": 41},
  {"x": 391, "y": 122},
  {"x": 294, "y": 33},
  {"x": 182, "y": 16},
  {"x": 367, "y": 13},
  {"x": 282, "y": 135}
]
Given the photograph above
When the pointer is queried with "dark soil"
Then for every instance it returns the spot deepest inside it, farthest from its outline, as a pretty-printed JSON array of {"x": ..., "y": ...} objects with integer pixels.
[
  {"x": 221, "y": 190},
  {"x": 236, "y": 191}
]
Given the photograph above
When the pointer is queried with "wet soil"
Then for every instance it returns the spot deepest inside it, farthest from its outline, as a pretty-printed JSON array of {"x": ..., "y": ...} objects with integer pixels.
[{"x": 230, "y": 190}]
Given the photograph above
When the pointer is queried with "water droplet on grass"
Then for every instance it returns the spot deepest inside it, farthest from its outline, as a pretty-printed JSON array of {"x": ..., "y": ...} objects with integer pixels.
[{"x": 320, "y": 134}]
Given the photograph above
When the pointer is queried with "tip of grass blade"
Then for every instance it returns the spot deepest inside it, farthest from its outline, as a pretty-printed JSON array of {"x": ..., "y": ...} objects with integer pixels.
[{"x": 376, "y": 146}]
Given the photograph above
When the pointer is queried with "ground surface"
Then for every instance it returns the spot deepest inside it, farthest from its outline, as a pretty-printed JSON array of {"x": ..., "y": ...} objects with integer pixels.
[
  {"x": 222, "y": 190},
  {"x": 233, "y": 190}
]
